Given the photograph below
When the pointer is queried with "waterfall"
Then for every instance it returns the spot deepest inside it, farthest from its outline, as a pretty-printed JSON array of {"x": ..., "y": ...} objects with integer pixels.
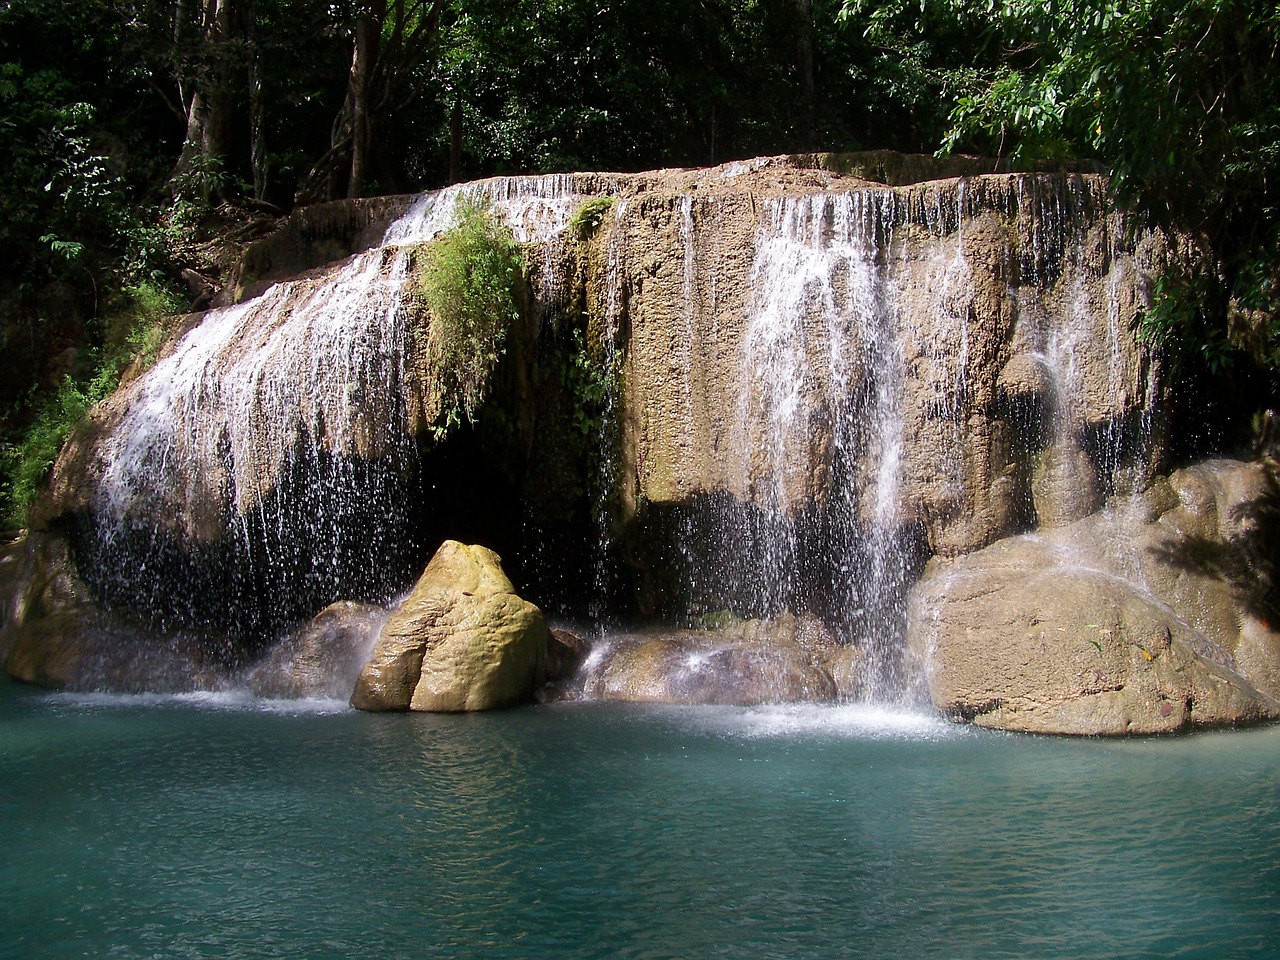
[
  {"x": 868, "y": 361},
  {"x": 818, "y": 427},
  {"x": 536, "y": 208},
  {"x": 1096, "y": 416},
  {"x": 261, "y": 468},
  {"x": 811, "y": 386}
]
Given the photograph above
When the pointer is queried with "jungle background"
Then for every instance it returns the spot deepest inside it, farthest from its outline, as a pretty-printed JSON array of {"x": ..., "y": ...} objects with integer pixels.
[{"x": 142, "y": 142}]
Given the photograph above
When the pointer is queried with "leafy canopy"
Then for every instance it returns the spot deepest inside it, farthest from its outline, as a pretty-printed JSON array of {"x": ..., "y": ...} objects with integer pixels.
[{"x": 1180, "y": 99}]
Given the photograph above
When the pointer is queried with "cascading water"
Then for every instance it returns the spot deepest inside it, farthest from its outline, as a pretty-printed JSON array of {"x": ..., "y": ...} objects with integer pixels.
[
  {"x": 263, "y": 467},
  {"x": 823, "y": 366},
  {"x": 820, "y": 420},
  {"x": 869, "y": 423},
  {"x": 1096, "y": 415},
  {"x": 808, "y": 391},
  {"x": 258, "y": 461}
]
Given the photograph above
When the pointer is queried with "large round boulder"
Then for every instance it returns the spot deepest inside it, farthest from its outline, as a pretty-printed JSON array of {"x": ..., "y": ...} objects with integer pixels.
[{"x": 461, "y": 641}]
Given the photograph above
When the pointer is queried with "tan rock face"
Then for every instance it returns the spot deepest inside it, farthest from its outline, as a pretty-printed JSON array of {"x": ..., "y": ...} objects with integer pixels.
[
  {"x": 773, "y": 326},
  {"x": 461, "y": 641},
  {"x": 1149, "y": 620},
  {"x": 53, "y": 634},
  {"x": 309, "y": 371}
]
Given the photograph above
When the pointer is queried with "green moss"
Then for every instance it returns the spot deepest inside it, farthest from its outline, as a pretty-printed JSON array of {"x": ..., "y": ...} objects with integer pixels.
[
  {"x": 464, "y": 289},
  {"x": 586, "y": 219},
  {"x": 720, "y": 620}
]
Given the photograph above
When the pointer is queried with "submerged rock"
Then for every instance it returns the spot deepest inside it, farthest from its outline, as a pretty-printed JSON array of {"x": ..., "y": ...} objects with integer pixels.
[
  {"x": 1151, "y": 618},
  {"x": 461, "y": 641},
  {"x": 323, "y": 657},
  {"x": 783, "y": 660}
]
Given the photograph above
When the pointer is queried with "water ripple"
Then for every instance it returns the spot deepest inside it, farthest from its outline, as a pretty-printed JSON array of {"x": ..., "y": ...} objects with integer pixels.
[{"x": 173, "y": 828}]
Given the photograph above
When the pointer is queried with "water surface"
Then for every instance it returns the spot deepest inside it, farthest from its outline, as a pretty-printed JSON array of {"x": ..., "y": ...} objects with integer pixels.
[{"x": 223, "y": 826}]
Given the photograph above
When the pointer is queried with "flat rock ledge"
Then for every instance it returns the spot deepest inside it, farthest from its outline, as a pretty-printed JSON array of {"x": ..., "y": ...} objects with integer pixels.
[{"x": 461, "y": 641}]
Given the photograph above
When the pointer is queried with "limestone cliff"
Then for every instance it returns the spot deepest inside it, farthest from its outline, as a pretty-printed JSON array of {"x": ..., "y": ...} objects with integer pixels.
[{"x": 773, "y": 386}]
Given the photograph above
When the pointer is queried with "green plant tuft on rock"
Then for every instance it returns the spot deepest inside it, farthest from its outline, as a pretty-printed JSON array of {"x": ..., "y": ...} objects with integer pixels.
[
  {"x": 465, "y": 282},
  {"x": 586, "y": 219}
]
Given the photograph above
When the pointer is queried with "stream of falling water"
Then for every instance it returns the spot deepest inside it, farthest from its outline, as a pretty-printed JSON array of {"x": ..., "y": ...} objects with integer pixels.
[
  {"x": 284, "y": 421},
  {"x": 273, "y": 442},
  {"x": 823, "y": 361},
  {"x": 823, "y": 428}
]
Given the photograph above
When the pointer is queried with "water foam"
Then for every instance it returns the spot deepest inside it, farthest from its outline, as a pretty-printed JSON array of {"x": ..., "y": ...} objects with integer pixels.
[
  {"x": 852, "y": 721},
  {"x": 221, "y": 701}
]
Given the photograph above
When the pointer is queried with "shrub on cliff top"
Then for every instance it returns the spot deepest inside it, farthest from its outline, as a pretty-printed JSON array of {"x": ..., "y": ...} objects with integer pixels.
[{"x": 466, "y": 281}]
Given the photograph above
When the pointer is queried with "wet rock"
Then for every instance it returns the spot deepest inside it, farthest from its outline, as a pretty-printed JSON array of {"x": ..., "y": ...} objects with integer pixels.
[
  {"x": 461, "y": 641},
  {"x": 53, "y": 634},
  {"x": 311, "y": 236},
  {"x": 323, "y": 657},
  {"x": 796, "y": 348},
  {"x": 1063, "y": 485},
  {"x": 671, "y": 671},
  {"x": 566, "y": 653},
  {"x": 847, "y": 667},
  {"x": 784, "y": 327},
  {"x": 1025, "y": 380},
  {"x": 1150, "y": 618},
  {"x": 737, "y": 379},
  {"x": 747, "y": 665}
]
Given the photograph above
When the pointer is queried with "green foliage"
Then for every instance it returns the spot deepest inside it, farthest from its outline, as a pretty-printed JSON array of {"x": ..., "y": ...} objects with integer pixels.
[
  {"x": 147, "y": 307},
  {"x": 564, "y": 85},
  {"x": 590, "y": 384},
  {"x": 199, "y": 178},
  {"x": 913, "y": 60},
  {"x": 25, "y": 463},
  {"x": 586, "y": 219},
  {"x": 466, "y": 282},
  {"x": 1179, "y": 98},
  {"x": 1179, "y": 321},
  {"x": 587, "y": 381}
]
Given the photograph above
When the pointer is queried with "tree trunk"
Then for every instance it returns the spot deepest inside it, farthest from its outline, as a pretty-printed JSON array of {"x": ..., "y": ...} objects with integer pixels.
[
  {"x": 211, "y": 107},
  {"x": 455, "y": 140},
  {"x": 390, "y": 38},
  {"x": 257, "y": 109},
  {"x": 364, "y": 51},
  {"x": 804, "y": 69}
]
